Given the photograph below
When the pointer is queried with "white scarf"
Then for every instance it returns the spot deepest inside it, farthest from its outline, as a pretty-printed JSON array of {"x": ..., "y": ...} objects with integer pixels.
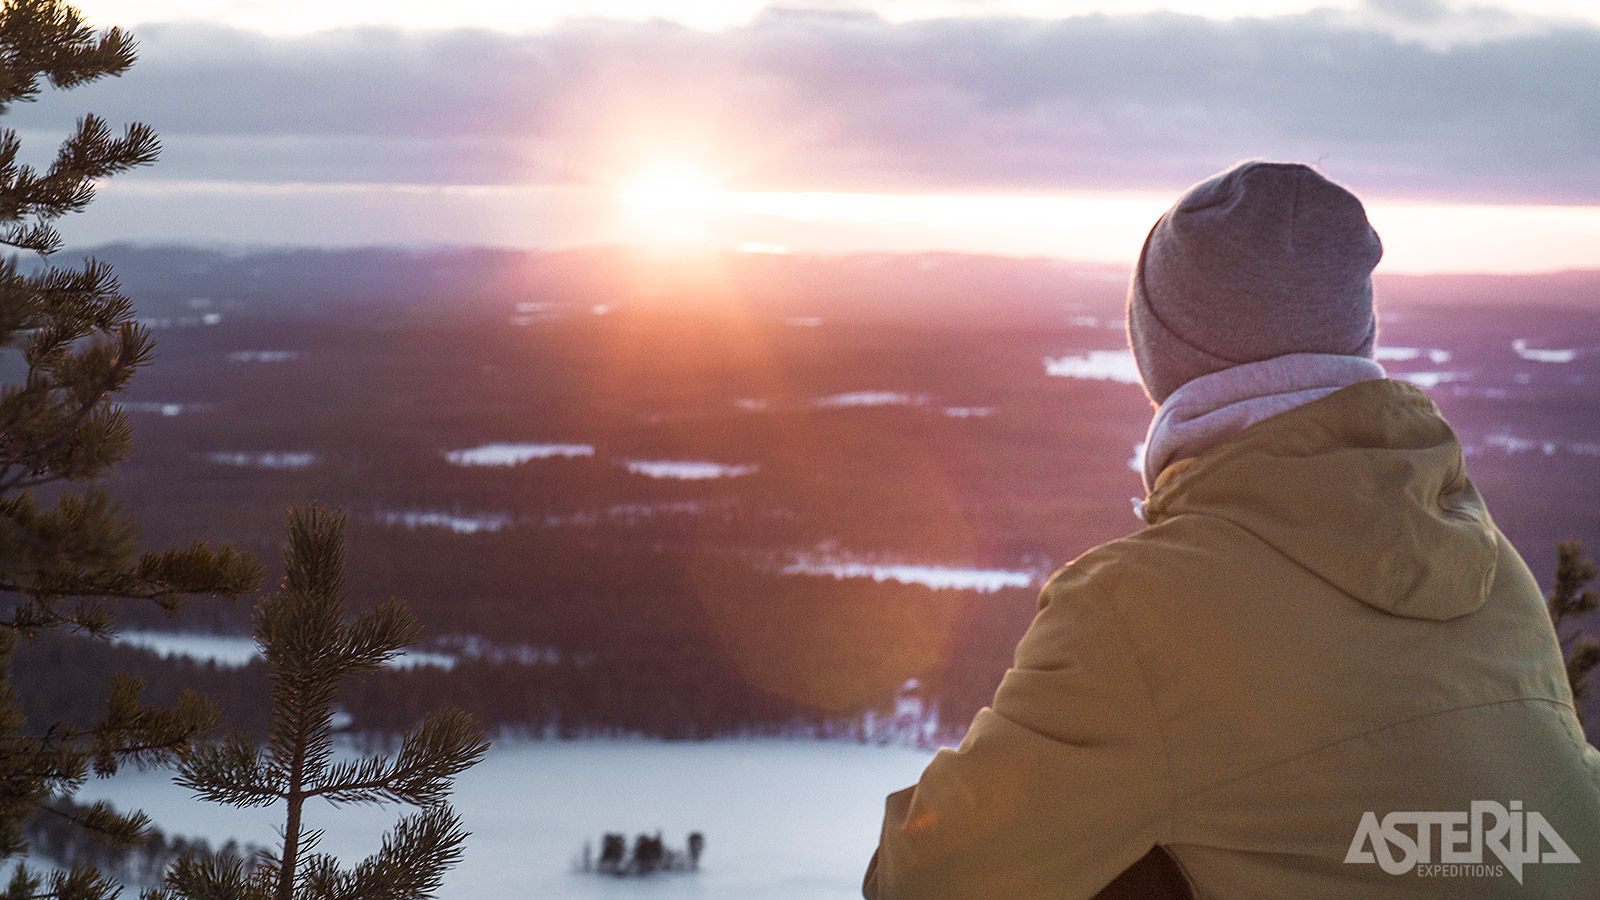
[{"x": 1212, "y": 408}]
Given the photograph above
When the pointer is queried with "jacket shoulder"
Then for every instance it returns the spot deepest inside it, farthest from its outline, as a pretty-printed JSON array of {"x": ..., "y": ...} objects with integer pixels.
[
  {"x": 1083, "y": 624},
  {"x": 1159, "y": 556}
]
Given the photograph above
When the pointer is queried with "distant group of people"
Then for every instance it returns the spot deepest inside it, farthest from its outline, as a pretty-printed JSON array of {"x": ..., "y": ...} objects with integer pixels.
[{"x": 649, "y": 855}]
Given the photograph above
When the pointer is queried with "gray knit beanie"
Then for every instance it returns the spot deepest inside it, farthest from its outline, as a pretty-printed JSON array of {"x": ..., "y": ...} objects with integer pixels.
[{"x": 1259, "y": 261}]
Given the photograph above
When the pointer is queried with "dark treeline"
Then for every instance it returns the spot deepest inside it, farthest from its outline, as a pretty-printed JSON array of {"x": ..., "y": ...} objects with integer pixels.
[
  {"x": 53, "y": 836},
  {"x": 757, "y": 655},
  {"x": 360, "y": 283},
  {"x": 64, "y": 678}
]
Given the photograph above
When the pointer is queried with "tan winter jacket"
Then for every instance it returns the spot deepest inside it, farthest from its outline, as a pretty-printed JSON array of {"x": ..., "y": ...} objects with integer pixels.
[{"x": 1321, "y": 640}]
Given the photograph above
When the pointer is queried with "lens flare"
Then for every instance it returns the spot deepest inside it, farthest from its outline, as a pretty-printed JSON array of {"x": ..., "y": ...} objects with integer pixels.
[{"x": 670, "y": 206}]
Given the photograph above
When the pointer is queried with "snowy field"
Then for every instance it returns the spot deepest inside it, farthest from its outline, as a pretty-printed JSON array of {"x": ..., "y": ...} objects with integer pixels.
[{"x": 783, "y": 820}]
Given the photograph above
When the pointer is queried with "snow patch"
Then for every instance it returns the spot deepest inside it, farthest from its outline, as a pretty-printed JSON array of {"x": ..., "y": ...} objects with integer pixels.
[
  {"x": 515, "y": 454},
  {"x": 288, "y": 459},
  {"x": 1404, "y": 354},
  {"x": 264, "y": 356},
  {"x": 1533, "y": 354},
  {"x": 1512, "y": 445},
  {"x": 1096, "y": 365},
  {"x": 229, "y": 651},
  {"x": 477, "y": 647},
  {"x": 166, "y": 409},
  {"x": 868, "y": 398},
  {"x": 1426, "y": 380},
  {"x": 459, "y": 523},
  {"x": 687, "y": 470},
  {"x": 984, "y": 581},
  {"x": 236, "y": 651}
]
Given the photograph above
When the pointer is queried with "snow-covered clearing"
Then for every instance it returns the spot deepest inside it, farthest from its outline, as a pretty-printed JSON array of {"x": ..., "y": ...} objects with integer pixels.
[
  {"x": 783, "y": 820},
  {"x": 1095, "y": 365},
  {"x": 937, "y": 577},
  {"x": 687, "y": 470},
  {"x": 501, "y": 454}
]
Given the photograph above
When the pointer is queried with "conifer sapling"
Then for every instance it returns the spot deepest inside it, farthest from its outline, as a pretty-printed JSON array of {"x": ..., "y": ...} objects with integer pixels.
[{"x": 310, "y": 647}]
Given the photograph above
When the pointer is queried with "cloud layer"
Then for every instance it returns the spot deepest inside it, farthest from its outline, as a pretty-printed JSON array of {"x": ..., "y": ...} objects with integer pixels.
[{"x": 849, "y": 102}]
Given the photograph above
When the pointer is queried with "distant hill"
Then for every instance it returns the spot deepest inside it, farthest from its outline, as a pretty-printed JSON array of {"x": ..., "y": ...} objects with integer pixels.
[
  {"x": 354, "y": 284},
  {"x": 173, "y": 282},
  {"x": 1573, "y": 290}
]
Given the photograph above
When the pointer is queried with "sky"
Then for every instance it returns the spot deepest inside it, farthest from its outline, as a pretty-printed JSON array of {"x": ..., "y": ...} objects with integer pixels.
[{"x": 1021, "y": 127}]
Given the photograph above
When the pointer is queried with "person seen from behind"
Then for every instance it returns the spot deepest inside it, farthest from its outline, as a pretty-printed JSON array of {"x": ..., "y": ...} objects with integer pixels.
[{"x": 1320, "y": 670}]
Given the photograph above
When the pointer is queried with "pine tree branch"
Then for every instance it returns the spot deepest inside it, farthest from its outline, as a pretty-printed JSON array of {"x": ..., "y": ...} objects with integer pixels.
[
  {"x": 87, "y": 378},
  {"x": 158, "y": 577},
  {"x": 208, "y": 877},
  {"x": 101, "y": 819},
  {"x": 79, "y": 345},
  {"x": 43, "y": 450},
  {"x": 231, "y": 772},
  {"x": 413, "y": 859}
]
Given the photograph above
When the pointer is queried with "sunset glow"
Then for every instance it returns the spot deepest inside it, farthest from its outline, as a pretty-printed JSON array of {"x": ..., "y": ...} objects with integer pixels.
[
  {"x": 842, "y": 128},
  {"x": 685, "y": 210},
  {"x": 670, "y": 205}
]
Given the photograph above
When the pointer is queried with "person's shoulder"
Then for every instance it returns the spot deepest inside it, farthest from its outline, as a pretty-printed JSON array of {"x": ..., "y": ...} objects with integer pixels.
[
  {"x": 1090, "y": 622},
  {"x": 1090, "y": 601},
  {"x": 1158, "y": 555}
]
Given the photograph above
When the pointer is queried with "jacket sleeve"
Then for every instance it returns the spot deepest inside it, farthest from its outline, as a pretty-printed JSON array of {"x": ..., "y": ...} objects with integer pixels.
[{"x": 1056, "y": 789}]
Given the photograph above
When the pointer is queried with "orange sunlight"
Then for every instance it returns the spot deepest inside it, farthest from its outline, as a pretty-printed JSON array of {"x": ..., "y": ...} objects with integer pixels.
[
  {"x": 680, "y": 211},
  {"x": 669, "y": 206}
]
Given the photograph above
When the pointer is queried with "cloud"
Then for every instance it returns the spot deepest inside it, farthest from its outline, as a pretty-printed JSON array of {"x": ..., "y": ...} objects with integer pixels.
[{"x": 846, "y": 101}]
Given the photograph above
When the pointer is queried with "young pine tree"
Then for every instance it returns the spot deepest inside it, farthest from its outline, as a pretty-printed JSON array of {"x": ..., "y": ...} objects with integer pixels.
[
  {"x": 310, "y": 648},
  {"x": 1568, "y": 602},
  {"x": 69, "y": 341}
]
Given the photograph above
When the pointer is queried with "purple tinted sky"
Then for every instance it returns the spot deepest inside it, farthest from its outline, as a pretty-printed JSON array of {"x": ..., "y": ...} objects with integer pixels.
[{"x": 1454, "y": 107}]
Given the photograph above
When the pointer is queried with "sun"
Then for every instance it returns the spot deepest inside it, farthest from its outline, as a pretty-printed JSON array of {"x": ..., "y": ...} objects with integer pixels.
[{"x": 670, "y": 205}]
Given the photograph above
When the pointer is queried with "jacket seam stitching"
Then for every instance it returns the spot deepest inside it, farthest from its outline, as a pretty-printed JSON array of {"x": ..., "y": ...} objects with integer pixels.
[
  {"x": 1167, "y": 823},
  {"x": 1368, "y": 733}
]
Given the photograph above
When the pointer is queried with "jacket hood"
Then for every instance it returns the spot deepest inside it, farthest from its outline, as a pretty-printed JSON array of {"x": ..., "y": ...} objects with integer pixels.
[{"x": 1364, "y": 487}]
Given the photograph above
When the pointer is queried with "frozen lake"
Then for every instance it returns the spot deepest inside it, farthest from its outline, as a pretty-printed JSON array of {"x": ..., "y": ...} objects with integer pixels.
[
  {"x": 1095, "y": 365},
  {"x": 937, "y": 577},
  {"x": 233, "y": 651},
  {"x": 783, "y": 820},
  {"x": 515, "y": 454},
  {"x": 686, "y": 470}
]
